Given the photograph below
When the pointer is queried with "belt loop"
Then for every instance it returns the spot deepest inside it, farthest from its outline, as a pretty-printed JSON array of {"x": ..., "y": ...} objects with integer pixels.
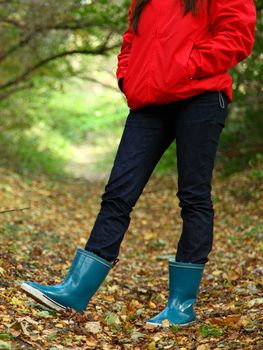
[{"x": 221, "y": 99}]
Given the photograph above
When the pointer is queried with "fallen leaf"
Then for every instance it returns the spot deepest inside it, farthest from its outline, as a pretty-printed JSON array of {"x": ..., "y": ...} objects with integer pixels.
[
  {"x": 203, "y": 347},
  {"x": 93, "y": 327},
  {"x": 152, "y": 346}
]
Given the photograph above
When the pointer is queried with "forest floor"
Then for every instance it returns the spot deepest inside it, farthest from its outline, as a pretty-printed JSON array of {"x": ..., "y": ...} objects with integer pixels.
[{"x": 39, "y": 243}]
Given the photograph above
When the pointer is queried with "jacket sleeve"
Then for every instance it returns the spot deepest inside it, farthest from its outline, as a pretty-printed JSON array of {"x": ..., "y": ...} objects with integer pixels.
[
  {"x": 123, "y": 56},
  {"x": 233, "y": 25}
]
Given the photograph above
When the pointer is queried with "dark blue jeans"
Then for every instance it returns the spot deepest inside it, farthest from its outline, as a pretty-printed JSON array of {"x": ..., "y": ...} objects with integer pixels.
[{"x": 195, "y": 124}]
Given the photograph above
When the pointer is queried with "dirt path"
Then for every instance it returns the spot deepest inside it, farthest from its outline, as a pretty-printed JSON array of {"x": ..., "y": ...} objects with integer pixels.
[{"x": 84, "y": 162}]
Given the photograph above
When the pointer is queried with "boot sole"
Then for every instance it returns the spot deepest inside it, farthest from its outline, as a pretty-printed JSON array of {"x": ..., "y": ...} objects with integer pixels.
[
  {"x": 42, "y": 298},
  {"x": 161, "y": 325}
]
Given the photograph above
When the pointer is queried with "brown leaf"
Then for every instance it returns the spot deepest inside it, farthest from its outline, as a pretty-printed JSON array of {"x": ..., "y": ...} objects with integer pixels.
[
  {"x": 90, "y": 341},
  {"x": 203, "y": 347},
  {"x": 231, "y": 320}
]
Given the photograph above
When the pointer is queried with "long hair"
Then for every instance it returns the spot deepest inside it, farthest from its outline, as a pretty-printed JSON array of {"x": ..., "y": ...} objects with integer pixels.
[{"x": 187, "y": 5}]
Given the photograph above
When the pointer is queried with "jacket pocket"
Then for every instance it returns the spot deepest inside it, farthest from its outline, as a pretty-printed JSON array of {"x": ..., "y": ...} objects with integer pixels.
[
  {"x": 186, "y": 52},
  {"x": 178, "y": 72}
]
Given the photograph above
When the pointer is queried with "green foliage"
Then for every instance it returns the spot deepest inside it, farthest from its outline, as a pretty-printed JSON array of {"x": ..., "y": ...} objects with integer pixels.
[
  {"x": 45, "y": 44},
  {"x": 39, "y": 128},
  {"x": 81, "y": 116},
  {"x": 5, "y": 336},
  {"x": 113, "y": 321},
  {"x": 175, "y": 328},
  {"x": 210, "y": 330},
  {"x": 34, "y": 150},
  {"x": 241, "y": 141},
  {"x": 255, "y": 231}
]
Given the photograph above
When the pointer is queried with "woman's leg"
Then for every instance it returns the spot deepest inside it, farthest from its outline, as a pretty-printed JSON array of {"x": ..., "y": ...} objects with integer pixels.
[
  {"x": 198, "y": 124},
  {"x": 147, "y": 134}
]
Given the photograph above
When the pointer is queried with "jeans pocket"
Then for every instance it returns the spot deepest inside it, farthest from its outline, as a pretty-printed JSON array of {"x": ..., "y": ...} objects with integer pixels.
[{"x": 209, "y": 107}]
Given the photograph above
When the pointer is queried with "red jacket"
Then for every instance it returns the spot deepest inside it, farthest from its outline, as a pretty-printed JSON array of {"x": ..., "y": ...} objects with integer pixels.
[{"x": 174, "y": 57}]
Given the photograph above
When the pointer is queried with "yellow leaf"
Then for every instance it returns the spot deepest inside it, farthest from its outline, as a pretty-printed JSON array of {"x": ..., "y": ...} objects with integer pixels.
[
  {"x": 149, "y": 235},
  {"x": 216, "y": 273},
  {"x": 59, "y": 325},
  {"x": 109, "y": 297},
  {"x": 152, "y": 305},
  {"x": 165, "y": 323},
  {"x": 203, "y": 347},
  {"x": 244, "y": 321},
  {"x": 15, "y": 301},
  {"x": 151, "y": 346}
]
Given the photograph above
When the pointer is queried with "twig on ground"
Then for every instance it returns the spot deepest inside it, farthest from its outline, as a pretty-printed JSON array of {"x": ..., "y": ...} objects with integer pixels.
[{"x": 15, "y": 209}]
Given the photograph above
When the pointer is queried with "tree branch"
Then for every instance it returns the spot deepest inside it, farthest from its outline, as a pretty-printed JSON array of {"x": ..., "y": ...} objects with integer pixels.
[
  {"x": 17, "y": 46},
  {"x": 61, "y": 26},
  {"x": 93, "y": 80},
  {"x": 100, "y": 50},
  {"x": 15, "y": 89}
]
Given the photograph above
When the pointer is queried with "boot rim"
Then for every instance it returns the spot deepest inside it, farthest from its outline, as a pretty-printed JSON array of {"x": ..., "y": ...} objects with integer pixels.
[
  {"x": 94, "y": 257},
  {"x": 189, "y": 265}
]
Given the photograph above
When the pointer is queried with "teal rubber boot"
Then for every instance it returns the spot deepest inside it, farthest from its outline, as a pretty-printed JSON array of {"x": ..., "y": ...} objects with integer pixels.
[
  {"x": 184, "y": 281},
  {"x": 84, "y": 278}
]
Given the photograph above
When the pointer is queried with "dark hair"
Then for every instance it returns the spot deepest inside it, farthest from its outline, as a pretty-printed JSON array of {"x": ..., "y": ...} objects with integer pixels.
[{"x": 186, "y": 5}]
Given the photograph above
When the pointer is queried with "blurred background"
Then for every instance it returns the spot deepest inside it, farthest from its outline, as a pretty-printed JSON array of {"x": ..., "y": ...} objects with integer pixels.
[{"x": 61, "y": 110}]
